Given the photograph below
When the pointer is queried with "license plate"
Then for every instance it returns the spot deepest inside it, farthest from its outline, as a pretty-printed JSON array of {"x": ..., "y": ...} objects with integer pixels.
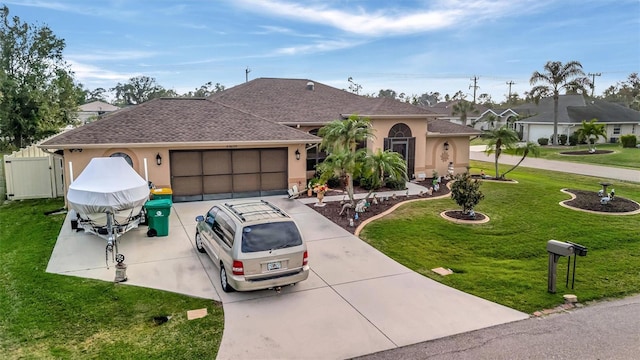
[{"x": 274, "y": 266}]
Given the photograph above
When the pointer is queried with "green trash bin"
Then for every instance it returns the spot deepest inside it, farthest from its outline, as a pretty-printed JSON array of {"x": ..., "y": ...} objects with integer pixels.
[{"x": 158, "y": 212}]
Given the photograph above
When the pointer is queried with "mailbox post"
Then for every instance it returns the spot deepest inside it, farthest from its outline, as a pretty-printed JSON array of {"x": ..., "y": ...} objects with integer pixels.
[{"x": 556, "y": 249}]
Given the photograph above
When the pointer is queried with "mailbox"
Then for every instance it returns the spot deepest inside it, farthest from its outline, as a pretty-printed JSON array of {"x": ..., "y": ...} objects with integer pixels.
[
  {"x": 578, "y": 250},
  {"x": 560, "y": 248}
]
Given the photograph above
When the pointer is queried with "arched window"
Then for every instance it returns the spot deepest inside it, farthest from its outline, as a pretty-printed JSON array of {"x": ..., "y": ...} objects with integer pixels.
[
  {"x": 400, "y": 130},
  {"x": 126, "y": 157}
]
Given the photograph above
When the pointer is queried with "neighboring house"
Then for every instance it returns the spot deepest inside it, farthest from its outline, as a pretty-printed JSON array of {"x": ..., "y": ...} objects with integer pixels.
[
  {"x": 572, "y": 110},
  {"x": 256, "y": 138},
  {"x": 496, "y": 118},
  {"x": 445, "y": 111},
  {"x": 92, "y": 111}
]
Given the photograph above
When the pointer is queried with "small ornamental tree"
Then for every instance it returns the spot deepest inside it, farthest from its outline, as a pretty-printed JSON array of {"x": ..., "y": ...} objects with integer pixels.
[{"x": 465, "y": 191}]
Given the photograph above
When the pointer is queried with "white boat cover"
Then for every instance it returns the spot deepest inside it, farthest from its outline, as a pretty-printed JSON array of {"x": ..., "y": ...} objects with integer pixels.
[{"x": 107, "y": 184}]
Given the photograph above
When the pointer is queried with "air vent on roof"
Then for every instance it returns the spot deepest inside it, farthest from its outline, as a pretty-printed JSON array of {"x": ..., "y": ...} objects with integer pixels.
[{"x": 310, "y": 85}]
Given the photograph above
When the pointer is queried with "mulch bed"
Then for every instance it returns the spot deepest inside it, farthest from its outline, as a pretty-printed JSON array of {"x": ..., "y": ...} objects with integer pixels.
[
  {"x": 332, "y": 208},
  {"x": 586, "y": 200},
  {"x": 589, "y": 200},
  {"x": 586, "y": 152}
]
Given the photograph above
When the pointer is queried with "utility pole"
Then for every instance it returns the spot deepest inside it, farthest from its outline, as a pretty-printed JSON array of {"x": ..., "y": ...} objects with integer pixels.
[
  {"x": 475, "y": 87},
  {"x": 246, "y": 74},
  {"x": 593, "y": 81},
  {"x": 509, "y": 98}
]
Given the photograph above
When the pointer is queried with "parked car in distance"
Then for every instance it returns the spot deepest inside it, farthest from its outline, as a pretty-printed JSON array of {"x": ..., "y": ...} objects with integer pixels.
[{"x": 255, "y": 244}]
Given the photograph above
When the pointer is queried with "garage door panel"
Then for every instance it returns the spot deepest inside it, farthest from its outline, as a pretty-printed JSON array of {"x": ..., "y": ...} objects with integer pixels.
[
  {"x": 216, "y": 162},
  {"x": 246, "y": 161},
  {"x": 246, "y": 182},
  {"x": 273, "y": 181},
  {"x": 186, "y": 163},
  {"x": 218, "y": 184},
  {"x": 274, "y": 160},
  {"x": 187, "y": 185}
]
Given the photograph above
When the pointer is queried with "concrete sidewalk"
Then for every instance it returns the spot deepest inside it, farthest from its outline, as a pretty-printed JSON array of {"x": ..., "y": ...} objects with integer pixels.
[
  {"x": 602, "y": 172},
  {"x": 356, "y": 301}
]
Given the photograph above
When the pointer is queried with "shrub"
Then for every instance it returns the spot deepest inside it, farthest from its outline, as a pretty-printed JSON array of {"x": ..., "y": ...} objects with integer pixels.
[
  {"x": 543, "y": 141},
  {"x": 629, "y": 141},
  {"x": 573, "y": 139},
  {"x": 562, "y": 139},
  {"x": 396, "y": 184},
  {"x": 465, "y": 191}
]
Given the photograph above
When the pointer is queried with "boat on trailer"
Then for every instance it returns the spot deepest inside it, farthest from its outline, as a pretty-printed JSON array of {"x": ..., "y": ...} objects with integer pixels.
[{"x": 108, "y": 200}]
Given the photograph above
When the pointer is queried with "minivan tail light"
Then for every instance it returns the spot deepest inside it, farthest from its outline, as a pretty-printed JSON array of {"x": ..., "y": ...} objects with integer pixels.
[
  {"x": 238, "y": 268},
  {"x": 305, "y": 259}
]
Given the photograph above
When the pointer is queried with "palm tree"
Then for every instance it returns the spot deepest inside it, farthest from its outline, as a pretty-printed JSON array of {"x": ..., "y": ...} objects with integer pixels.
[
  {"x": 499, "y": 138},
  {"x": 464, "y": 108},
  {"x": 340, "y": 138},
  {"x": 383, "y": 163},
  {"x": 557, "y": 76},
  {"x": 590, "y": 132},
  {"x": 529, "y": 148}
]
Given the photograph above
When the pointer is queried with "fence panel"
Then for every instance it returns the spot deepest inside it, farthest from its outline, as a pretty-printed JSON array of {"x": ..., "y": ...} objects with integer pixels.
[{"x": 29, "y": 177}]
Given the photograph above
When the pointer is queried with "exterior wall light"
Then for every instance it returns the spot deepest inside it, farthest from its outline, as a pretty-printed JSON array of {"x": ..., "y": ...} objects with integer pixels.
[
  {"x": 446, "y": 146},
  {"x": 297, "y": 154},
  {"x": 158, "y": 159}
]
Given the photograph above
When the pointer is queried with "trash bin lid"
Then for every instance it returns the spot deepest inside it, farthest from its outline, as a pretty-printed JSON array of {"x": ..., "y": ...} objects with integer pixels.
[
  {"x": 158, "y": 204},
  {"x": 162, "y": 191}
]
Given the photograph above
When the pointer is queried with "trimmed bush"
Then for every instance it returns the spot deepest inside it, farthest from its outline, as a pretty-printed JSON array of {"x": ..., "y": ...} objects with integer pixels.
[
  {"x": 573, "y": 139},
  {"x": 562, "y": 139},
  {"x": 396, "y": 184},
  {"x": 628, "y": 141},
  {"x": 543, "y": 141}
]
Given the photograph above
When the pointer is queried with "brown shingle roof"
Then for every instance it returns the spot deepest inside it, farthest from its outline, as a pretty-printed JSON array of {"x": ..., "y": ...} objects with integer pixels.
[
  {"x": 179, "y": 120},
  {"x": 291, "y": 101},
  {"x": 447, "y": 127}
]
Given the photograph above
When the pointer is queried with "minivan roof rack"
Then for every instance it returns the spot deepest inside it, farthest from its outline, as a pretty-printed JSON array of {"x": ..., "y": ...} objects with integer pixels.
[{"x": 237, "y": 209}]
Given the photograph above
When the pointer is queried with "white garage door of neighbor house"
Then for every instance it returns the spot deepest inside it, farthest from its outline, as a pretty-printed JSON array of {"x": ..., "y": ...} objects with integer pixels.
[{"x": 221, "y": 174}]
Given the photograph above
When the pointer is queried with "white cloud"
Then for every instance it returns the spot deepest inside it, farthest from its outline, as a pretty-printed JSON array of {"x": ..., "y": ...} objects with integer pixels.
[
  {"x": 319, "y": 46},
  {"x": 89, "y": 74},
  {"x": 112, "y": 55},
  {"x": 392, "y": 20}
]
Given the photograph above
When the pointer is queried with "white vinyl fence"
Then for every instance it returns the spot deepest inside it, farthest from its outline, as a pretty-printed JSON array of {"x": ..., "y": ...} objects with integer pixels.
[{"x": 32, "y": 173}]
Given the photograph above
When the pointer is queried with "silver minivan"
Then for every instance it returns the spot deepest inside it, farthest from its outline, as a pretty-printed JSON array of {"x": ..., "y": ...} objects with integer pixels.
[{"x": 254, "y": 243}]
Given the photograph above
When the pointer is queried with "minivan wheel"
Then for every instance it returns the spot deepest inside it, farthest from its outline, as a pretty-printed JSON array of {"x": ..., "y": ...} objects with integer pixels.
[
  {"x": 224, "y": 281},
  {"x": 199, "y": 244}
]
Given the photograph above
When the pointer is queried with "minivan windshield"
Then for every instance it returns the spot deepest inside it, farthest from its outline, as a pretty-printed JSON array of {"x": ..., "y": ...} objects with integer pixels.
[{"x": 270, "y": 236}]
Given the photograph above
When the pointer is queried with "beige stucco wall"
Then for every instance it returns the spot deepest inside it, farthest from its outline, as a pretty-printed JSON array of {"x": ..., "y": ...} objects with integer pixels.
[{"x": 430, "y": 154}]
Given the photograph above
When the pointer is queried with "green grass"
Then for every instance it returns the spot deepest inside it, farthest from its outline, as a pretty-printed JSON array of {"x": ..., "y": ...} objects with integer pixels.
[
  {"x": 505, "y": 260},
  {"x": 622, "y": 157},
  {"x": 55, "y": 316}
]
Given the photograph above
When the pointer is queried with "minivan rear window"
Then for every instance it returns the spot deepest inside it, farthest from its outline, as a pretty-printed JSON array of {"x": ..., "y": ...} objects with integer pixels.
[{"x": 270, "y": 236}]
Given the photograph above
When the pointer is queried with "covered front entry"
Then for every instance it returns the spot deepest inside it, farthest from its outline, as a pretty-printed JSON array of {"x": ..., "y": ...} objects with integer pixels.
[
  {"x": 401, "y": 141},
  {"x": 219, "y": 174}
]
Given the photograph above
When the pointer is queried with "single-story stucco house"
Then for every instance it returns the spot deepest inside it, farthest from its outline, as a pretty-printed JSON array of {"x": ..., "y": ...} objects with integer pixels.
[
  {"x": 257, "y": 138},
  {"x": 93, "y": 110},
  {"x": 572, "y": 110}
]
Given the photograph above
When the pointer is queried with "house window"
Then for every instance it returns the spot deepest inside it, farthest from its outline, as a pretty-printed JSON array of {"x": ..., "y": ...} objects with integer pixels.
[
  {"x": 314, "y": 155},
  {"x": 126, "y": 157},
  {"x": 616, "y": 130}
]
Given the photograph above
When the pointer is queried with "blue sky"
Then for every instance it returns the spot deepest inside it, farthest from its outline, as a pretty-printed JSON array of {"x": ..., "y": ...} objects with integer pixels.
[{"x": 410, "y": 46}]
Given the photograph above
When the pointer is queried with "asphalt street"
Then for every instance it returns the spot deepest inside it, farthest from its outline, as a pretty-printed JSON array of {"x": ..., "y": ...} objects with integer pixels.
[{"x": 603, "y": 330}]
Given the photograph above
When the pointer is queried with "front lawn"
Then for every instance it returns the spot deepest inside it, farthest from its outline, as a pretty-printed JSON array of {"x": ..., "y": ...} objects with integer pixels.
[
  {"x": 505, "y": 260},
  {"x": 55, "y": 316},
  {"x": 621, "y": 157}
]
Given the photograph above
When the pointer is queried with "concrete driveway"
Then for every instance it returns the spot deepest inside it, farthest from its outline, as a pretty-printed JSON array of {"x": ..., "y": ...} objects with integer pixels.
[{"x": 356, "y": 301}]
